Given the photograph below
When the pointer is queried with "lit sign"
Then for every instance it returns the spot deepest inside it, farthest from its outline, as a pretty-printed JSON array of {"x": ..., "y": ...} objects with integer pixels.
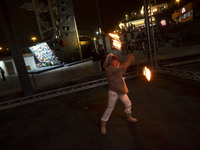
[
  {"x": 183, "y": 10},
  {"x": 163, "y": 22},
  {"x": 44, "y": 54}
]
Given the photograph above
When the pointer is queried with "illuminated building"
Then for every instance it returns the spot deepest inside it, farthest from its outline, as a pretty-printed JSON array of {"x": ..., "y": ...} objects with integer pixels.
[
  {"x": 8, "y": 64},
  {"x": 139, "y": 23},
  {"x": 189, "y": 12}
]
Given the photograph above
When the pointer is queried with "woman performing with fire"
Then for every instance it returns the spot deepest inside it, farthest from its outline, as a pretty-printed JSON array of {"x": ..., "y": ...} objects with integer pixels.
[{"x": 117, "y": 87}]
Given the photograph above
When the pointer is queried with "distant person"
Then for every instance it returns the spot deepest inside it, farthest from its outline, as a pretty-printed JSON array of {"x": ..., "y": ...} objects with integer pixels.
[
  {"x": 95, "y": 59},
  {"x": 102, "y": 56},
  {"x": 117, "y": 87},
  {"x": 3, "y": 74}
]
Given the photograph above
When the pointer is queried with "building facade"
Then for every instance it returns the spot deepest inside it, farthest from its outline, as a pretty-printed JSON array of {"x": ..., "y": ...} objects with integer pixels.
[
  {"x": 189, "y": 12},
  {"x": 8, "y": 64}
]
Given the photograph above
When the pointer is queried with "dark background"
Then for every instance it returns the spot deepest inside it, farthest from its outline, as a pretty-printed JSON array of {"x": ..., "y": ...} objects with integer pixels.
[{"x": 111, "y": 11}]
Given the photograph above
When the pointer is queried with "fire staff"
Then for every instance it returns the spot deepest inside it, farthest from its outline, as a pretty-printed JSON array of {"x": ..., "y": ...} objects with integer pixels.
[{"x": 117, "y": 87}]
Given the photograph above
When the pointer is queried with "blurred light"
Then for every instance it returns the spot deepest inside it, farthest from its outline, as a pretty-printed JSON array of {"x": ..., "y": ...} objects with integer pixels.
[
  {"x": 114, "y": 36},
  {"x": 97, "y": 32},
  {"x": 155, "y": 10},
  {"x": 100, "y": 30},
  {"x": 163, "y": 22},
  {"x": 117, "y": 44},
  {"x": 147, "y": 73},
  {"x": 183, "y": 10},
  {"x": 115, "y": 40},
  {"x": 142, "y": 10},
  {"x": 126, "y": 17},
  {"x": 33, "y": 39},
  {"x": 94, "y": 39},
  {"x": 121, "y": 25},
  {"x": 1, "y": 48}
]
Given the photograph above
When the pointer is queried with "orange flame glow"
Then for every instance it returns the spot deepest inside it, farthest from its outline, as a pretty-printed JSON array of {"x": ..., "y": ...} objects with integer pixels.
[
  {"x": 116, "y": 40},
  {"x": 147, "y": 73},
  {"x": 114, "y": 36}
]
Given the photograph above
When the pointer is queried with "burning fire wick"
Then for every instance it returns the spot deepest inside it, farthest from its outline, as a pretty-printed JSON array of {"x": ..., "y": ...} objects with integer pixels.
[{"x": 147, "y": 74}]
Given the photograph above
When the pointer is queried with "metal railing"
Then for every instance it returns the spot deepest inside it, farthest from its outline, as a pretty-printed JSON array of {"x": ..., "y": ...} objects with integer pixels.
[
  {"x": 179, "y": 73},
  {"x": 92, "y": 84},
  {"x": 61, "y": 91}
]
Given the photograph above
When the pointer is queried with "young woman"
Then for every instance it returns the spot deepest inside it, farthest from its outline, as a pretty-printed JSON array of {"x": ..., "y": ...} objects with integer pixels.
[{"x": 117, "y": 87}]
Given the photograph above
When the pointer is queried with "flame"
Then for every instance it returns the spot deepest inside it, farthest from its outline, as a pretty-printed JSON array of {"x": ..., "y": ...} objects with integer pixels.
[
  {"x": 116, "y": 40},
  {"x": 117, "y": 44},
  {"x": 147, "y": 73},
  {"x": 114, "y": 36}
]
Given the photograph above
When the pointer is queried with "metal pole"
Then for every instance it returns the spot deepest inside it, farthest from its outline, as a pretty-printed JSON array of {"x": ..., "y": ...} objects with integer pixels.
[
  {"x": 77, "y": 35},
  {"x": 15, "y": 49},
  {"x": 147, "y": 29},
  {"x": 100, "y": 25},
  {"x": 154, "y": 44}
]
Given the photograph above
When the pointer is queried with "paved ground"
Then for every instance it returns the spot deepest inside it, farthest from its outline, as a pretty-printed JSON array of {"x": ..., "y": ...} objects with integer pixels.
[{"x": 167, "y": 109}]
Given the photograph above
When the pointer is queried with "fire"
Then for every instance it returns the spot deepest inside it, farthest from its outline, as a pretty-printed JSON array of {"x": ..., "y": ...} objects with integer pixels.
[
  {"x": 117, "y": 44},
  {"x": 114, "y": 36},
  {"x": 116, "y": 40},
  {"x": 147, "y": 73}
]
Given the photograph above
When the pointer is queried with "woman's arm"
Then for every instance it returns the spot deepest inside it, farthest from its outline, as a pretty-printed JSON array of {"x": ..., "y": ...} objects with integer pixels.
[{"x": 128, "y": 61}]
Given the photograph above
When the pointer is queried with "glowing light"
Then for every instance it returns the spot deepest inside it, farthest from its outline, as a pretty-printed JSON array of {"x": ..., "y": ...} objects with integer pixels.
[
  {"x": 94, "y": 39},
  {"x": 100, "y": 30},
  {"x": 117, "y": 44},
  {"x": 127, "y": 24},
  {"x": 34, "y": 39},
  {"x": 183, "y": 10},
  {"x": 147, "y": 73},
  {"x": 121, "y": 25},
  {"x": 116, "y": 40},
  {"x": 126, "y": 17},
  {"x": 142, "y": 10},
  {"x": 115, "y": 36},
  {"x": 163, "y": 22},
  {"x": 155, "y": 10},
  {"x": 1, "y": 48}
]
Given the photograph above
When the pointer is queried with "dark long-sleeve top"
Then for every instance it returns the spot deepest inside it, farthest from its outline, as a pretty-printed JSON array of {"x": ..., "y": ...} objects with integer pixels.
[{"x": 115, "y": 77}]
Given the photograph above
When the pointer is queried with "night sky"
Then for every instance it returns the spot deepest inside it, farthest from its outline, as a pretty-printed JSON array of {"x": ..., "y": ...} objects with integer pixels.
[{"x": 111, "y": 11}]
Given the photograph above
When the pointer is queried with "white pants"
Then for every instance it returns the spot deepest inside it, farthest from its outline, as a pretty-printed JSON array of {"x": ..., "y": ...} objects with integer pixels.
[{"x": 112, "y": 99}]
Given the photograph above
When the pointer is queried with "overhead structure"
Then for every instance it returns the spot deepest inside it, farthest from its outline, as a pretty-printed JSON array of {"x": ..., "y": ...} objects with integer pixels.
[{"x": 57, "y": 26}]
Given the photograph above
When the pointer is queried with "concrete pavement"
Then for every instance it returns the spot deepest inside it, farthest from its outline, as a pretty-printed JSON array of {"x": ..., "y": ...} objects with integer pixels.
[{"x": 167, "y": 109}]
